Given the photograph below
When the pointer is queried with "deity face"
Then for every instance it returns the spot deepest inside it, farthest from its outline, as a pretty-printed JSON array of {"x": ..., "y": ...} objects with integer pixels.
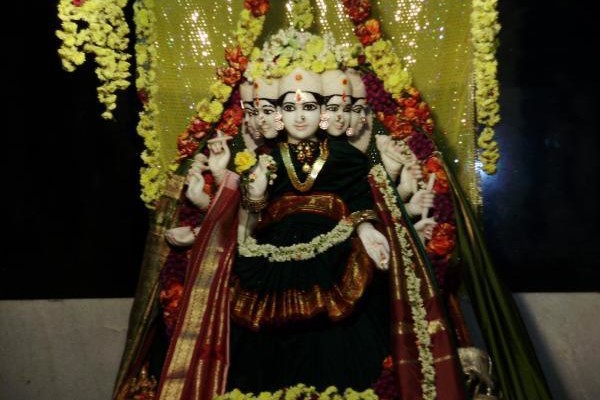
[
  {"x": 339, "y": 109},
  {"x": 265, "y": 120},
  {"x": 300, "y": 115},
  {"x": 359, "y": 116},
  {"x": 250, "y": 114}
]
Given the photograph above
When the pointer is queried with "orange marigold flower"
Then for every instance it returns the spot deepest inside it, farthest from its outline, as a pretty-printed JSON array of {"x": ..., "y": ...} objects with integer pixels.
[
  {"x": 231, "y": 120},
  {"x": 199, "y": 128},
  {"x": 186, "y": 145},
  {"x": 229, "y": 76},
  {"x": 442, "y": 240},
  {"x": 410, "y": 113},
  {"x": 387, "y": 362},
  {"x": 257, "y": 7},
  {"x": 433, "y": 164},
  {"x": 236, "y": 58},
  {"x": 368, "y": 32}
]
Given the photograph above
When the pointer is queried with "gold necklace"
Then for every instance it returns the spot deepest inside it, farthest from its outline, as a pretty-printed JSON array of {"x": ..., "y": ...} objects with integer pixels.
[{"x": 314, "y": 170}]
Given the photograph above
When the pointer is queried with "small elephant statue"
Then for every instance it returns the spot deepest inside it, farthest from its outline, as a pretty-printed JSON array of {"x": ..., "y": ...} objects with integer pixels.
[{"x": 477, "y": 365}]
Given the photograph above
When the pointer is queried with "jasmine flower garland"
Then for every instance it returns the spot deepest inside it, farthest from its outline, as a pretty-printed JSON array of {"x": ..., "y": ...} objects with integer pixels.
[
  {"x": 413, "y": 283},
  {"x": 301, "y": 391}
]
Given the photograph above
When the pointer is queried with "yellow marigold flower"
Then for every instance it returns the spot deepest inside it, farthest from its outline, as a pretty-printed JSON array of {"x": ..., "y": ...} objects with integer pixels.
[
  {"x": 255, "y": 53},
  {"x": 315, "y": 46},
  {"x": 330, "y": 62},
  {"x": 317, "y": 66},
  {"x": 221, "y": 91},
  {"x": 244, "y": 160},
  {"x": 283, "y": 61}
]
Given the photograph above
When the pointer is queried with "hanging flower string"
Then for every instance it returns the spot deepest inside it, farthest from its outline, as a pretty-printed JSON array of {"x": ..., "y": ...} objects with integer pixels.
[
  {"x": 484, "y": 30},
  {"x": 407, "y": 117},
  {"x": 302, "y": 14},
  {"x": 153, "y": 173},
  {"x": 96, "y": 27}
]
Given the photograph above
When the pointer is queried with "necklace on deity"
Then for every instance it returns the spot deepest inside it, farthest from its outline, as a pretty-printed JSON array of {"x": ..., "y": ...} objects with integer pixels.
[{"x": 305, "y": 155}]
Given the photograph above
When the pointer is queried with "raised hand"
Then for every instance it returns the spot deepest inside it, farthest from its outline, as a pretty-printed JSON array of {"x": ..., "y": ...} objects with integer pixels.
[
  {"x": 409, "y": 177},
  {"x": 219, "y": 156},
  {"x": 195, "y": 191},
  {"x": 424, "y": 228},
  {"x": 258, "y": 186},
  {"x": 375, "y": 244},
  {"x": 420, "y": 202}
]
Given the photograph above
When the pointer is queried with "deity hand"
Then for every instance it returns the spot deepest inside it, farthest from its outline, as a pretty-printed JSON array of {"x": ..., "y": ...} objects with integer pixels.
[
  {"x": 409, "y": 176},
  {"x": 219, "y": 156},
  {"x": 394, "y": 154},
  {"x": 195, "y": 191},
  {"x": 424, "y": 228},
  {"x": 420, "y": 203},
  {"x": 182, "y": 236},
  {"x": 258, "y": 185},
  {"x": 375, "y": 244}
]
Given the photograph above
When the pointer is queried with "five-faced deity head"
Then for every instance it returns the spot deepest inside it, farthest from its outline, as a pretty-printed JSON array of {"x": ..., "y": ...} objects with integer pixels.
[
  {"x": 337, "y": 95},
  {"x": 250, "y": 112},
  {"x": 265, "y": 102},
  {"x": 300, "y": 104},
  {"x": 358, "y": 121}
]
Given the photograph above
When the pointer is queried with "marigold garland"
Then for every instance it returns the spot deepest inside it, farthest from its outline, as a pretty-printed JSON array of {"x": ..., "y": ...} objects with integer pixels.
[
  {"x": 211, "y": 113},
  {"x": 96, "y": 27},
  {"x": 484, "y": 31},
  {"x": 153, "y": 173}
]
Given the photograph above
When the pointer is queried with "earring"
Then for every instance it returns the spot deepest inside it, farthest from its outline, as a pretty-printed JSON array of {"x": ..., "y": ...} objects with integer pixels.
[
  {"x": 277, "y": 122},
  {"x": 324, "y": 121},
  {"x": 349, "y": 132}
]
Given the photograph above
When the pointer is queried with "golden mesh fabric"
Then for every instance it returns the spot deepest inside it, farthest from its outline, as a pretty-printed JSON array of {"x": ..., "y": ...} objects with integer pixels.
[{"x": 431, "y": 37}]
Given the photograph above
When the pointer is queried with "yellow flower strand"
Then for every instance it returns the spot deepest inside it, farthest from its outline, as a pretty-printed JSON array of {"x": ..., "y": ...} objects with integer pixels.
[
  {"x": 484, "y": 30},
  {"x": 388, "y": 67},
  {"x": 104, "y": 36},
  {"x": 302, "y": 14},
  {"x": 153, "y": 174}
]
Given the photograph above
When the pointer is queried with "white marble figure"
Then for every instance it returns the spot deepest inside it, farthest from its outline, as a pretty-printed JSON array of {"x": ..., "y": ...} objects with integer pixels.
[
  {"x": 337, "y": 94},
  {"x": 265, "y": 102},
  {"x": 361, "y": 120},
  {"x": 301, "y": 114},
  {"x": 251, "y": 138},
  {"x": 216, "y": 163}
]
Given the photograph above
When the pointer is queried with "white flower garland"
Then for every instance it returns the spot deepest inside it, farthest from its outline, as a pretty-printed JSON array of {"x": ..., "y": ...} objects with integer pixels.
[
  {"x": 301, "y": 391},
  {"x": 413, "y": 284},
  {"x": 301, "y": 251}
]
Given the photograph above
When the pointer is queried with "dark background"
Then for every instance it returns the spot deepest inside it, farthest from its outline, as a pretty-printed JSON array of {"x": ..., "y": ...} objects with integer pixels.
[{"x": 76, "y": 226}]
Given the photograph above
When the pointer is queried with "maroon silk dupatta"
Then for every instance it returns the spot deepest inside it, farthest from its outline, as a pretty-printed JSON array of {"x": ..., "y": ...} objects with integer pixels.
[{"x": 198, "y": 357}]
